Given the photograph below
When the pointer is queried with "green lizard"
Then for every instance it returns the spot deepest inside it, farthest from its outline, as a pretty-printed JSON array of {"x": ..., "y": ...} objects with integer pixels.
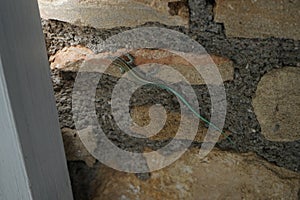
[{"x": 128, "y": 66}]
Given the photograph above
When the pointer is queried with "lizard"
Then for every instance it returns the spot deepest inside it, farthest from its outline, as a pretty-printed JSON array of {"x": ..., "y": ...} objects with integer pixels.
[{"x": 128, "y": 66}]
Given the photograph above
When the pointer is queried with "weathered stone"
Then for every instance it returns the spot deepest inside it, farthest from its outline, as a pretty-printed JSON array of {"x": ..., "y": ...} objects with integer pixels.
[
  {"x": 183, "y": 66},
  {"x": 140, "y": 116},
  {"x": 277, "y": 104},
  {"x": 259, "y": 18},
  {"x": 74, "y": 148},
  {"x": 221, "y": 175},
  {"x": 70, "y": 59},
  {"x": 118, "y": 13}
]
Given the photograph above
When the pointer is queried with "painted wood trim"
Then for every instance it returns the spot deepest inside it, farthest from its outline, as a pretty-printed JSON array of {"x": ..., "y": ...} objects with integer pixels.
[{"x": 32, "y": 159}]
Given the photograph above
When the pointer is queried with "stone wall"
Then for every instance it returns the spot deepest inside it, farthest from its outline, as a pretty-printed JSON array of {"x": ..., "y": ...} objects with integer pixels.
[
  {"x": 255, "y": 45},
  {"x": 110, "y": 14}
]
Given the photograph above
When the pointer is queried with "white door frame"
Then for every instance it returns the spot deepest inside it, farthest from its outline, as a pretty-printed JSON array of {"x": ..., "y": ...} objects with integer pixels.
[{"x": 32, "y": 159}]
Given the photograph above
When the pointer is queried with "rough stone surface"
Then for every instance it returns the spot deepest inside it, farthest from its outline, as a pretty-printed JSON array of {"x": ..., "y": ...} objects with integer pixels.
[
  {"x": 277, "y": 104},
  {"x": 110, "y": 14},
  {"x": 252, "y": 59},
  {"x": 74, "y": 148},
  {"x": 224, "y": 65},
  {"x": 221, "y": 175},
  {"x": 259, "y": 18},
  {"x": 69, "y": 59},
  {"x": 140, "y": 116}
]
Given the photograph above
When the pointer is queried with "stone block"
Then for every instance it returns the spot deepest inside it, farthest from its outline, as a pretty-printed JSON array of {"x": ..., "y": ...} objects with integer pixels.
[
  {"x": 259, "y": 18},
  {"x": 118, "y": 13}
]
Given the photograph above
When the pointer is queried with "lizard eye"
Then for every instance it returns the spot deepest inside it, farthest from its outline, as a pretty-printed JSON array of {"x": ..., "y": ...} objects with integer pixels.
[{"x": 121, "y": 70}]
